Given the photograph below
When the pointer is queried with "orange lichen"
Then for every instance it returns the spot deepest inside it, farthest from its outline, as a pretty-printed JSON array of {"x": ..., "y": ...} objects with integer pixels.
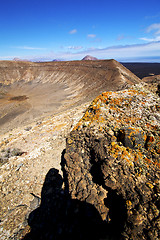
[
  {"x": 129, "y": 204},
  {"x": 150, "y": 185},
  {"x": 114, "y": 104},
  {"x": 150, "y": 139},
  {"x": 100, "y": 129},
  {"x": 121, "y": 151},
  {"x": 148, "y": 160},
  {"x": 136, "y": 157},
  {"x": 158, "y": 164}
]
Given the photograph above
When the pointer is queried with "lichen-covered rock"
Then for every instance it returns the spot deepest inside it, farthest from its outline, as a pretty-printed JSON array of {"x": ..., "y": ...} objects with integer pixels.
[{"x": 112, "y": 161}]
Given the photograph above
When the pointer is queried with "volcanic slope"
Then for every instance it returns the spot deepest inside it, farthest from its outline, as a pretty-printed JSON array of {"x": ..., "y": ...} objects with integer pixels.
[{"x": 30, "y": 91}]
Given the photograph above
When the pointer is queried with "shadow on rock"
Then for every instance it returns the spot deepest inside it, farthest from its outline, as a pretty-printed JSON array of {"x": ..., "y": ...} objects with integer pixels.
[{"x": 60, "y": 217}]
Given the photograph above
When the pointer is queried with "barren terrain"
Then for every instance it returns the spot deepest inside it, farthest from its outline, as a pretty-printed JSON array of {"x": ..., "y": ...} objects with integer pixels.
[{"x": 40, "y": 103}]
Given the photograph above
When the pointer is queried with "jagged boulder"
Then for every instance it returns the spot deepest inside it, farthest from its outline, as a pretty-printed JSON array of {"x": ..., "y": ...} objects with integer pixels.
[{"x": 112, "y": 162}]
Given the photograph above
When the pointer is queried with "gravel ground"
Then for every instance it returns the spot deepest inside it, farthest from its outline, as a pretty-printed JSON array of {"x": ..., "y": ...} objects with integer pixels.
[{"x": 27, "y": 154}]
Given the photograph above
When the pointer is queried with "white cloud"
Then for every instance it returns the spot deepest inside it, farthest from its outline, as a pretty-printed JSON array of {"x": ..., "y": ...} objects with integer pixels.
[
  {"x": 120, "y": 53},
  {"x": 134, "y": 52},
  {"x": 153, "y": 31},
  {"x": 75, "y": 47},
  {"x": 7, "y": 57},
  {"x": 91, "y": 35},
  {"x": 156, "y": 39},
  {"x": 29, "y": 48},
  {"x": 73, "y": 31},
  {"x": 128, "y": 51},
  {"x": 154, "y": 27}
]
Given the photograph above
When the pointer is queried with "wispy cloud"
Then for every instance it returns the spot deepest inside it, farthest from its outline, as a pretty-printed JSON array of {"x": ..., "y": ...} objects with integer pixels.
[
  {"x": 134, "y": 52},
  {"x": 91, "y": 35},
  {"x": 120, "y": 53},
  {"x": 120, "y": 37},
  {"x": 7, "y": 57},
  {"x": 153, "y": 16},
  {"x": 73, "y": 31},
  {"x": 93, "y": 38},
  {"x": 152, "y": 32},
  {"x": 155, "y": 39},
  {"x": 29, "y": 48},
  {"x": 127, "y": 51},
  {"x": 75, "y": 47},
  {"x": 154, "y": 27}
]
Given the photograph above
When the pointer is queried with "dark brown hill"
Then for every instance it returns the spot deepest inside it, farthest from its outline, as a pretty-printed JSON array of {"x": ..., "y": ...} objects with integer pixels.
[{"x": 32, "y": 90}]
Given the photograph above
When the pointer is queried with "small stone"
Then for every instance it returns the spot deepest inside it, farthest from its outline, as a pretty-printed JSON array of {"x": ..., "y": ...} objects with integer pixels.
[
  {"x": 28, "y": 128},
  {"x": 91, "y": 198},
  {"x": 110, "y": 132},
  {"x": 19, "y": 166}
]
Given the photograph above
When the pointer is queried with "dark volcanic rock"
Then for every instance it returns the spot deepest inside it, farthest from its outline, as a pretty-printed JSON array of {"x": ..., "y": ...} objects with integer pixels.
[
  {"x": 112, "y": 162},
  {"x": 158, "y": 89}
]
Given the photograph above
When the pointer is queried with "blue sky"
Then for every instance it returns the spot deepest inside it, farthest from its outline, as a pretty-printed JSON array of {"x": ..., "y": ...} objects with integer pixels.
[{"x": 69, "y": 30}]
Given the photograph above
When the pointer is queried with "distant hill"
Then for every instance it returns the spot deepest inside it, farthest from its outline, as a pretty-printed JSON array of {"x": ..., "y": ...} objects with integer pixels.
[
  {"x": 88, "y": 57},
  {"x": 20, "y": 60},
  {"x": 56, "y": 60}
]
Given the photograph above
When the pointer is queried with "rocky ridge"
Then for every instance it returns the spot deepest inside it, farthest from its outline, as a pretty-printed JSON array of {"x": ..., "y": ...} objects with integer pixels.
[{"x": 112, "y": 161}]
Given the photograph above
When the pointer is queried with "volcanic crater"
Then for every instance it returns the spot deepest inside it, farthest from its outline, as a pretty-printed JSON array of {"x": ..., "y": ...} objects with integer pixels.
[{"x": 30, "y": 91}]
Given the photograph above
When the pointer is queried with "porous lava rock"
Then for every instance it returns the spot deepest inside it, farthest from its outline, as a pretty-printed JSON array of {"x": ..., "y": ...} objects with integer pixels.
[{"x": 112, "y": 162}]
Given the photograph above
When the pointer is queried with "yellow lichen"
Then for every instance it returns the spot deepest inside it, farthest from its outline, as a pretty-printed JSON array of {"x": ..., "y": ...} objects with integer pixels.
[
  {"x": 150, "y": 185},
  {"x": 69, "y": 141}
]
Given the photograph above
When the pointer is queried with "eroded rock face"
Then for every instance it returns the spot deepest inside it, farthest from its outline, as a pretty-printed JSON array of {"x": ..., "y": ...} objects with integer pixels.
[{"x": 112, "y": 161}]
